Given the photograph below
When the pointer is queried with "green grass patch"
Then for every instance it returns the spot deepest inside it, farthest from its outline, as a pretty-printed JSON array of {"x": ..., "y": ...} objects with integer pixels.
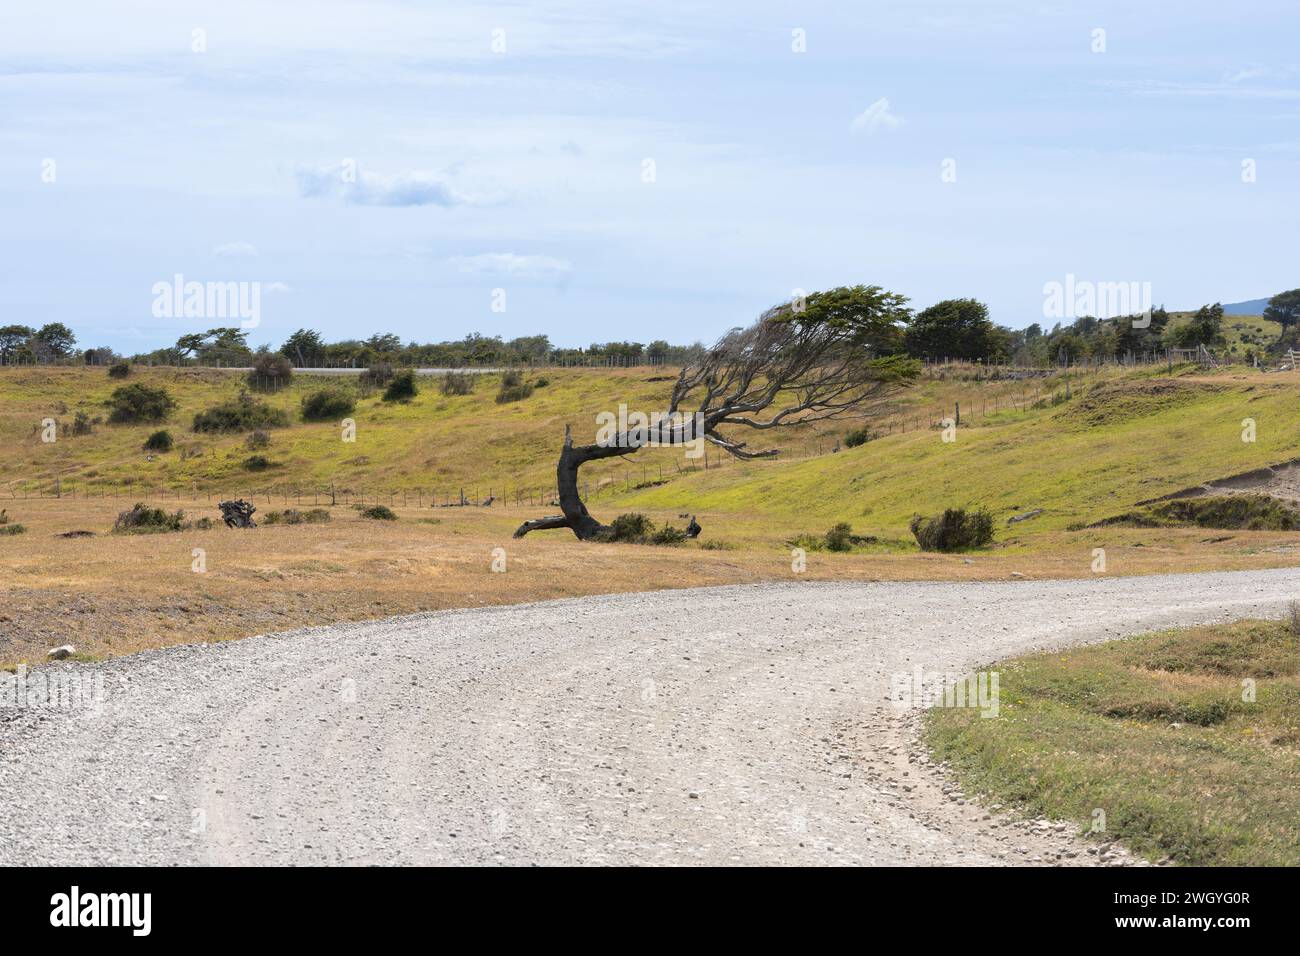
[{"x": 1189, "y": 741}]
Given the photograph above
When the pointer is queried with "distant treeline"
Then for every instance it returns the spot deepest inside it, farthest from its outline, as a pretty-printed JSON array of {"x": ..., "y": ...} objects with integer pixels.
[
  {"x": 951, "y": 329},
  {"x": 306, "y": 348}
]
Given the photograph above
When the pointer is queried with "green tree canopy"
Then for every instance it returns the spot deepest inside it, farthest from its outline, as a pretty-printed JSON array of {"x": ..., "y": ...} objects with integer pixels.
[
  {"x": 1204, "y": 328},
  {"x": 956, "y": 328},
  {"x": 1284, "y": 308},
  {"x": 55, "y": 339}
]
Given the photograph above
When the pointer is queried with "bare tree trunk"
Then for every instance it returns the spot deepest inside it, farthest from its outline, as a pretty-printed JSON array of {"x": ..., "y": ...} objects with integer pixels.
[{"x": 576, "y": 517}]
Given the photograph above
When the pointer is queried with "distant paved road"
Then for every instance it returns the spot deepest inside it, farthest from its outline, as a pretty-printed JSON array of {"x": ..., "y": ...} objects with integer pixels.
[{"x": 743, "y": 724}]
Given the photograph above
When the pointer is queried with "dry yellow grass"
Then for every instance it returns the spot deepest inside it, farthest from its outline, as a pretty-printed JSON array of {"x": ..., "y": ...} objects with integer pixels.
[{"x": 115, "y": 594}]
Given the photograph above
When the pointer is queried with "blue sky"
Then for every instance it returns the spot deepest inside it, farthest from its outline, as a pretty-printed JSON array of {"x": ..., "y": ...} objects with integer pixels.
[{"x": 378, "y": 166}]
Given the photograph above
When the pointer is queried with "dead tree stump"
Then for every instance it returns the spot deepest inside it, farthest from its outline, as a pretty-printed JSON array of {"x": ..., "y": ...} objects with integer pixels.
[{"x": 237, "y": 514}]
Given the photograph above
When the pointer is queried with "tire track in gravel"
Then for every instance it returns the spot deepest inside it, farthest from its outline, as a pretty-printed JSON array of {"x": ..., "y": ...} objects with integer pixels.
[{"x": 744, "y": 724}]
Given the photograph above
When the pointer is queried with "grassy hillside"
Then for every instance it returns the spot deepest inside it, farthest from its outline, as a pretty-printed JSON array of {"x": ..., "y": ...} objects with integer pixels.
[
  {"x": 1118, "y": 441},
  {"x": 435, "y": 443},
  {"x": 1242, "y": 332}
]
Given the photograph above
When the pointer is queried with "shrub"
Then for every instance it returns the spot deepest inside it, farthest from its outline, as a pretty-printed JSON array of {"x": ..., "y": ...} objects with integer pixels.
[
  {"x": 240, "y": 414},
  {"x": 327, "y": 404},
  {"x": 82, "y": 425},
  {"x": 1249, "y": 512},
  {"x": 258, "y": 440},
  {"x": 541, "y": 382},
  {"x": 628, "y": 527},
  {"x": 271, "y": 372},
  {"x": 379, "y": 513},
  {"x": 668, "y": 535},
  {"x": 142, "y": 519},
  {"x": 159, "y": 441},
  {"x": 12, "y": 529},
  {"x": 402, "y": 387},
  {"x": 257, "y": 463},
  {"x": 381, "y": 373},
  {"x": 859, "y": 436},
  {"x": 840, "y": 537},
  {"x": 119, "y": 370},
  {"x": 638, "y": 529},
  {"x": 294, "y": 516},
  {"x": 954, "y": 530},
  {"x": 513, "y": 388},
  {"x": 139, "y": 403},
  {"x": 457, "y": 383}
]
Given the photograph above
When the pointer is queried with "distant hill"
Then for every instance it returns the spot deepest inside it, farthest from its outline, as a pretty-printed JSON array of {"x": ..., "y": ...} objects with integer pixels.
[{"x": 1249, "y": 307}]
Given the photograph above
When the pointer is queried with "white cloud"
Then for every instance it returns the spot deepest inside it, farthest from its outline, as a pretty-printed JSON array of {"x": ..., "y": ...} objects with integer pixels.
[
  {"x": 511, "y": 265},
  {"x": 874, "y": 117},
  {"x": 236, "y": 250},
  {"x": 349, "y": 182}
]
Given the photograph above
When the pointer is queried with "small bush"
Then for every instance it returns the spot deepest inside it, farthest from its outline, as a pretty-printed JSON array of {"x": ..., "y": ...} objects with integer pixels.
[
  {"x": 258, "y": 440},
  {"x": 377, "y": 375},
  {"x": 327, "y": 404},
  {"x": 1292, "y": 616},
  {"x": 638, "y": 529},
  {"x": 294, "y": 516},
  {"x": 541, "y": 382},
  {"x": 82, "y": 425},
  {"x": 513, "y": 388},
  {"x": 139, "y": 403},
  {"x": 840, "y": 537},
  {"x": 628, "y": 527},
  {"x": 379, "y": 513},
  {"x": 668, "y": 535},
  {"x": 159, "y": 441},
  {"x": 142, "y": 519},
  {"x": 119, "y": 370},
  {"x": 859, "y": 436},
  {"x": 457, "y": 383},
  {"x": 244, "y": 413},
  {"x": 402, "y": 387},
  {"x": 954, "y": 530},
  {"x": 271, "y": 372},
  {"x": 12, "y": 529},
  {"x": 257, "y": 463}
]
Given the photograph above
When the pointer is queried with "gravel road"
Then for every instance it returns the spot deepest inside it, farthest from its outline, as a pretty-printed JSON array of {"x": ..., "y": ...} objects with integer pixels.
[{"x": 748, "y": 724}]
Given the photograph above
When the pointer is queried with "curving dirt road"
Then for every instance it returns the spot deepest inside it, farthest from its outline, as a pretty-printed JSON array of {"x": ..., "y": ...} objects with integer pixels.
[{"x": 724, "y": 725}]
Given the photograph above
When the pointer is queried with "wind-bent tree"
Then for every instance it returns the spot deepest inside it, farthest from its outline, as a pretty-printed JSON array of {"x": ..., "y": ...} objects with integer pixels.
[
  {"x": 814, "y": 360},
  {"x": 1284, "y": 308}
]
